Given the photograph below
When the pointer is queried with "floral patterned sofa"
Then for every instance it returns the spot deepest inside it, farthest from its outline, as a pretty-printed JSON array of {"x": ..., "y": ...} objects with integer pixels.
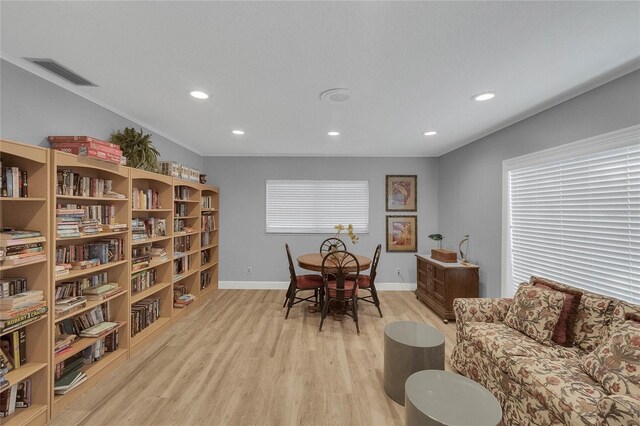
[{"x": 591, "y": 379}]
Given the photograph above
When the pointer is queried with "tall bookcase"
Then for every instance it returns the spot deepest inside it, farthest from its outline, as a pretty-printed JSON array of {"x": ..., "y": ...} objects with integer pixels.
[
  {"x": 186, "y": 240},
  {"x": 117, "y": 271},
  {"x": 209, "y": 211},
  {"x": 178, "y": 202},
  {"x": 160, "y": 207},
  {"x": 31, "y": 213}
]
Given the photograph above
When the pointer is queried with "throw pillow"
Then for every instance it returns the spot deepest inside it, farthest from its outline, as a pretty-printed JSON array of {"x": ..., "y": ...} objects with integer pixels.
[
  {"x": 563, "y": 333},
  {"x": 616, "y": 363},
  {"x": 535, "y": 312}
]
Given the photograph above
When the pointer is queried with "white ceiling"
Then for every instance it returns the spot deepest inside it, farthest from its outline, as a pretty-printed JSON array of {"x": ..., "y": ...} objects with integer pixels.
[{"x": 411, "y": 66}]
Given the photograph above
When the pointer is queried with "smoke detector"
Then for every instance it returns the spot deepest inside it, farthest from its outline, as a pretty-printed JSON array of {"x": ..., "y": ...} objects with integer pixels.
[{"x": 336, "y": 96}]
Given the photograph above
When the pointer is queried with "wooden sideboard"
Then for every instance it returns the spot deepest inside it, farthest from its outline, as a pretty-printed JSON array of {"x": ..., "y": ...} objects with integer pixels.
[{"x": 439, "y": 283}]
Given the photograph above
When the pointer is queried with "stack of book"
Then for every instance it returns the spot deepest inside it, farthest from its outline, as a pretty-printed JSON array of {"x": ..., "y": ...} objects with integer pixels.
[
  {"x": 68, "y": 222},
  {"x": 145, "y": 199},
  {"x": 140, "y": 257},
  {"x": 21, "y": 309},
  {"x": 90, "y": 227},
  {"x": 71, "y": 376},
  {"x": 183, "y": 300},
  {"x": 83, "y": 256},
  {"x": 21, "y": 247},
  {"x": 159, "y": 254},
  {"x": 181, "y": 245},
  {"x": 62, "y": 269},
  {"x": 63, "y": 343},
  {"x": 69, "y": 305},
  {"x": 89, "y": 147},
  {"x": 103, "y": 213},
  {"x": 14, "y": 348},
  {"x": 14, "y": 182},
  {"x": 17, "y": 396},
  {"x": 100, "y": 329},
  {"x": 148, "y": 227},
  {"x": 102, "y": 292},
  {"x": 205, "y": 239}
]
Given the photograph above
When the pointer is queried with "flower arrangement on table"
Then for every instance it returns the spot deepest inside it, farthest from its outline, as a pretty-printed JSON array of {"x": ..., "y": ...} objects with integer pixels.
[{"x": 350, "y": 232}]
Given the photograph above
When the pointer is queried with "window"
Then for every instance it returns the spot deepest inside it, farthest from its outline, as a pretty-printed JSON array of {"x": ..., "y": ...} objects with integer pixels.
[
  {"x": 573, "y": 215},
  {"x": 316, "y": 206}
]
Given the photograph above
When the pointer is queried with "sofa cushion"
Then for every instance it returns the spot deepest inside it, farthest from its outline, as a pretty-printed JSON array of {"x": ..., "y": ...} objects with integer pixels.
[
  {"x": 535, "y": 312},
  {"x": 502, "y": 343},
  {"x": 594, "y": 315},
  {"x": 616, "y": 363},
  {"x": 563, "y": 333},
  {"x": 561, "y": 385}
]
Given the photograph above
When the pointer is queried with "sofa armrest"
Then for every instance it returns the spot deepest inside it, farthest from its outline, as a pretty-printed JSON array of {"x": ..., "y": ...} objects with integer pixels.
[
  {"x": 479, "y": 310},
  {"x": 619, "y": 410}
]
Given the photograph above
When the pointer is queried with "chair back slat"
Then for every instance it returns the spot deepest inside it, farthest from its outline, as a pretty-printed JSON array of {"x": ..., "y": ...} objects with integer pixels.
[{"x": 339, "y": 264}]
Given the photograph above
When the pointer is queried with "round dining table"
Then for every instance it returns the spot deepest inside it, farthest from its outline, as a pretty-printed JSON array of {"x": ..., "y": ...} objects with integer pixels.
[{"x": 313, "y": 262}]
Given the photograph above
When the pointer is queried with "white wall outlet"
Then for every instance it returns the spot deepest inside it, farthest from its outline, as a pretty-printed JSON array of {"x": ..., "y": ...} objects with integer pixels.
[
  {"x": 248, "y": 269},
  {"x": 398, "y": 271}
]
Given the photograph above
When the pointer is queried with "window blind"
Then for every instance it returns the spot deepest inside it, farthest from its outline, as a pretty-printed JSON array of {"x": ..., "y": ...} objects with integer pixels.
[
  {"x": 316, "y": 206},
  {"x": 577, "y": 221}
]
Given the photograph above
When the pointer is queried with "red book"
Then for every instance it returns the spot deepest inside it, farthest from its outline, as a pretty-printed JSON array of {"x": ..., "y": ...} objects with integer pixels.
[
  {"x": 80, "y": 139},
  {"x": 92, "y": 153},
  {"x": 105, "y": 147}
]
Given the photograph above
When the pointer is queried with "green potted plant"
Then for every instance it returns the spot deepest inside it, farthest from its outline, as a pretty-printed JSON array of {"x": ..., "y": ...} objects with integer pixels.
[{"x": 138, "y": 149}]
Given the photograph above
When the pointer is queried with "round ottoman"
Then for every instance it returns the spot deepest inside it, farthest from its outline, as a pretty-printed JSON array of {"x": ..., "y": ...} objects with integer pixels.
[
  {"x": 409, "y": 347},
  {"x": 445, "y": 398}
]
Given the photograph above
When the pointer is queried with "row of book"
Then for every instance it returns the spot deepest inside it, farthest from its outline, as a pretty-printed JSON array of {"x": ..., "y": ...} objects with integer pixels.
[
  {"x": 14, "y": 182},
  {"x": 21, "y": 247},
  {"x": 148, "y": 227},
  {"x": 180, "y": 209},
  {"x": 68, "y": 305},
  {"x": 15, "y": 397},
  {"x": 143, "y": 314},
  {"x": 88, "y": 255},
  {"x": 66, "y": 289},
  {"x": 89, "y": 147},
  {"x": 181, "y": 265},
  {"x": 177, "y": 170},
  {"x": 206, "y": 202},
  {"x": 140, "y": 256},
  {"x": 206, "y": 239},
  {"x": 181, "y": 226},
  {"x": 207, "y": 222},
  {"x": 92, "y": 323},
  {"x": 143, "y": 280},
  {"x": 181, "y": 244},
  {"x": 205, "y": 279},
  {"x": 181, "y": 192},
  {"x": 71, "y": 183},
  {"x": 205, "y": 257},
  {"x": 148, "y": 199},
  {"x": 13, "y": 348}
]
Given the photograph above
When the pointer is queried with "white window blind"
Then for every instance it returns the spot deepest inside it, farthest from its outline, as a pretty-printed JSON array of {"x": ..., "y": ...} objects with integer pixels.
[
  {"x": 577, "y": 221},
  {"x": 316, "y": 206}
]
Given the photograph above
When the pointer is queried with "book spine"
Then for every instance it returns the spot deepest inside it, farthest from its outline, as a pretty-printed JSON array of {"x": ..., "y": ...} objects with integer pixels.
[
  {"x": 81, "y": 139},
  {"x": 22, "y": 335}
]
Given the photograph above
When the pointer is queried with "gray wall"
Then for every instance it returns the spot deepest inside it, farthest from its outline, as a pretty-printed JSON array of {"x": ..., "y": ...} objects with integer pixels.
[
  {"x": 33, "y": 108},
  {"x": 470, "y": 178},
  {"x": 244, "y": 243}
]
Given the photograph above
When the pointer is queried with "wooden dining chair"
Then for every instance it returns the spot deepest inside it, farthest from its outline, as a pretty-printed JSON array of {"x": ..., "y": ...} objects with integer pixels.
[
  {"x": 299, "y": 283},
  {"x": 336, "y": 243},
  {"x": 337, "y": 289},
  {"x": 367, "y": 282}
]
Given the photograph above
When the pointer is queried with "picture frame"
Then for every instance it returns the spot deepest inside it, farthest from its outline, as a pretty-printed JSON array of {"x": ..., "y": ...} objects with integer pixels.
[
  {"x": 401, "y": 193},
  {"x": 402, "y": 234}
]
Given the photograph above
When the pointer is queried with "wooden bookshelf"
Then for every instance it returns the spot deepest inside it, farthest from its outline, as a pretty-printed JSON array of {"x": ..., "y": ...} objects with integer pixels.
[
  {"x": 31, "y": 213},
  {"x": 162, "y": 187},
  {"x": 209, "y": 211},
  {"x": 117, "y": 271}
]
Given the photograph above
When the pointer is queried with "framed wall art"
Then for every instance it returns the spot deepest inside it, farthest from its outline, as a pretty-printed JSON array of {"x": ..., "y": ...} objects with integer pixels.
[
  {"x": 402, "y": 234},
  {"x": 402, "y": 193}
]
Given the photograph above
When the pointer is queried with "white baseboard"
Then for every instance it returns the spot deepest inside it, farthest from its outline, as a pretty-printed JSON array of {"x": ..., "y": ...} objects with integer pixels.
[{"x": 282, "y": 285}]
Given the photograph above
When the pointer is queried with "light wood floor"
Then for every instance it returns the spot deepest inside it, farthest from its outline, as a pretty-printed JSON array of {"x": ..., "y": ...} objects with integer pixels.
[{"x": 236, "y": 361}]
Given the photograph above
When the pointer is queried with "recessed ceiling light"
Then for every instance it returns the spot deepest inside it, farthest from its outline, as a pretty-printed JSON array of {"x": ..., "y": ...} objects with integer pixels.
[
  {"x": 238, "y": 132},
  {"x": 484, "y": 96},
  {"x": 199, "y": 95},
  {"x": 430, "y": 133},
  {"x": 333, "y": 133},
  {"x": 338, "y": 95}
]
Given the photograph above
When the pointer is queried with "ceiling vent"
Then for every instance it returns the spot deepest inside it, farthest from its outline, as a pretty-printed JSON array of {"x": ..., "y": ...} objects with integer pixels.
[{"x": 61, "y": 71}]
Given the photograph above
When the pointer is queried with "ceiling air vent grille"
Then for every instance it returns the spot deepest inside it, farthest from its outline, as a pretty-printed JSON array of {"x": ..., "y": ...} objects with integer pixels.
[{"x": 61, "y": 71}]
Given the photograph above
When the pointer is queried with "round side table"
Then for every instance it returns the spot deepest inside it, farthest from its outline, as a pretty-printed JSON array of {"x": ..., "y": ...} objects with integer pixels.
[
  {"x": 409, "y": 347},
  {"x": 446, "y": 398}
]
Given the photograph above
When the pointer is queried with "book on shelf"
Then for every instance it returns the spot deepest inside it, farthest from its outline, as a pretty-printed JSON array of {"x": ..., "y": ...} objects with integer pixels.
[
  {"x": 180, "y": 210},
  {"x": 143, "y": 280},
  {"x": 10, "y": 286},
  {"x": 159, "y": 254},
  {"x": 104, "y": 296},
  {"x": 29, "y": 309},
  {"x": 148, "y": 199},
  {"x": 69, "y": 305},
  {"x": 85, "y": 264},
  {"x": 71, "y": 183},
  {"x": 68, "y": 382},
  {"x": 63, "y": 342},
  {"x": 63, "y": 269},
  {"x": 85, "y": 320},
  {"x": 148, "y": 227},
  {"x": 81, "y": 139},
  {"x": 66, "y": 289},
  {"x": 205, "y": 279},
  {"x": 25, "y": 260},
  {"x": 184, "y": 300},
  {"x": 8, "y": 401},
  {"x": 181, "y": 193},
  {"x": 99, "y": 329},
  {"x": 23, "y": 299},
  {"x": 23, "y": 394},
  {"x": 144, "y": 313},
  {"x": 99, "y": 251},
  {"x": 14, "y": 182},
  {"x": 62, "y": 142},
  {"x": 208, "y": 222},
  {"x": 5, "y": 244},
  {"x": 206, "y": 202},
  {"x": 10, "y": 234},
  {"x": 14, "y": 348}
]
